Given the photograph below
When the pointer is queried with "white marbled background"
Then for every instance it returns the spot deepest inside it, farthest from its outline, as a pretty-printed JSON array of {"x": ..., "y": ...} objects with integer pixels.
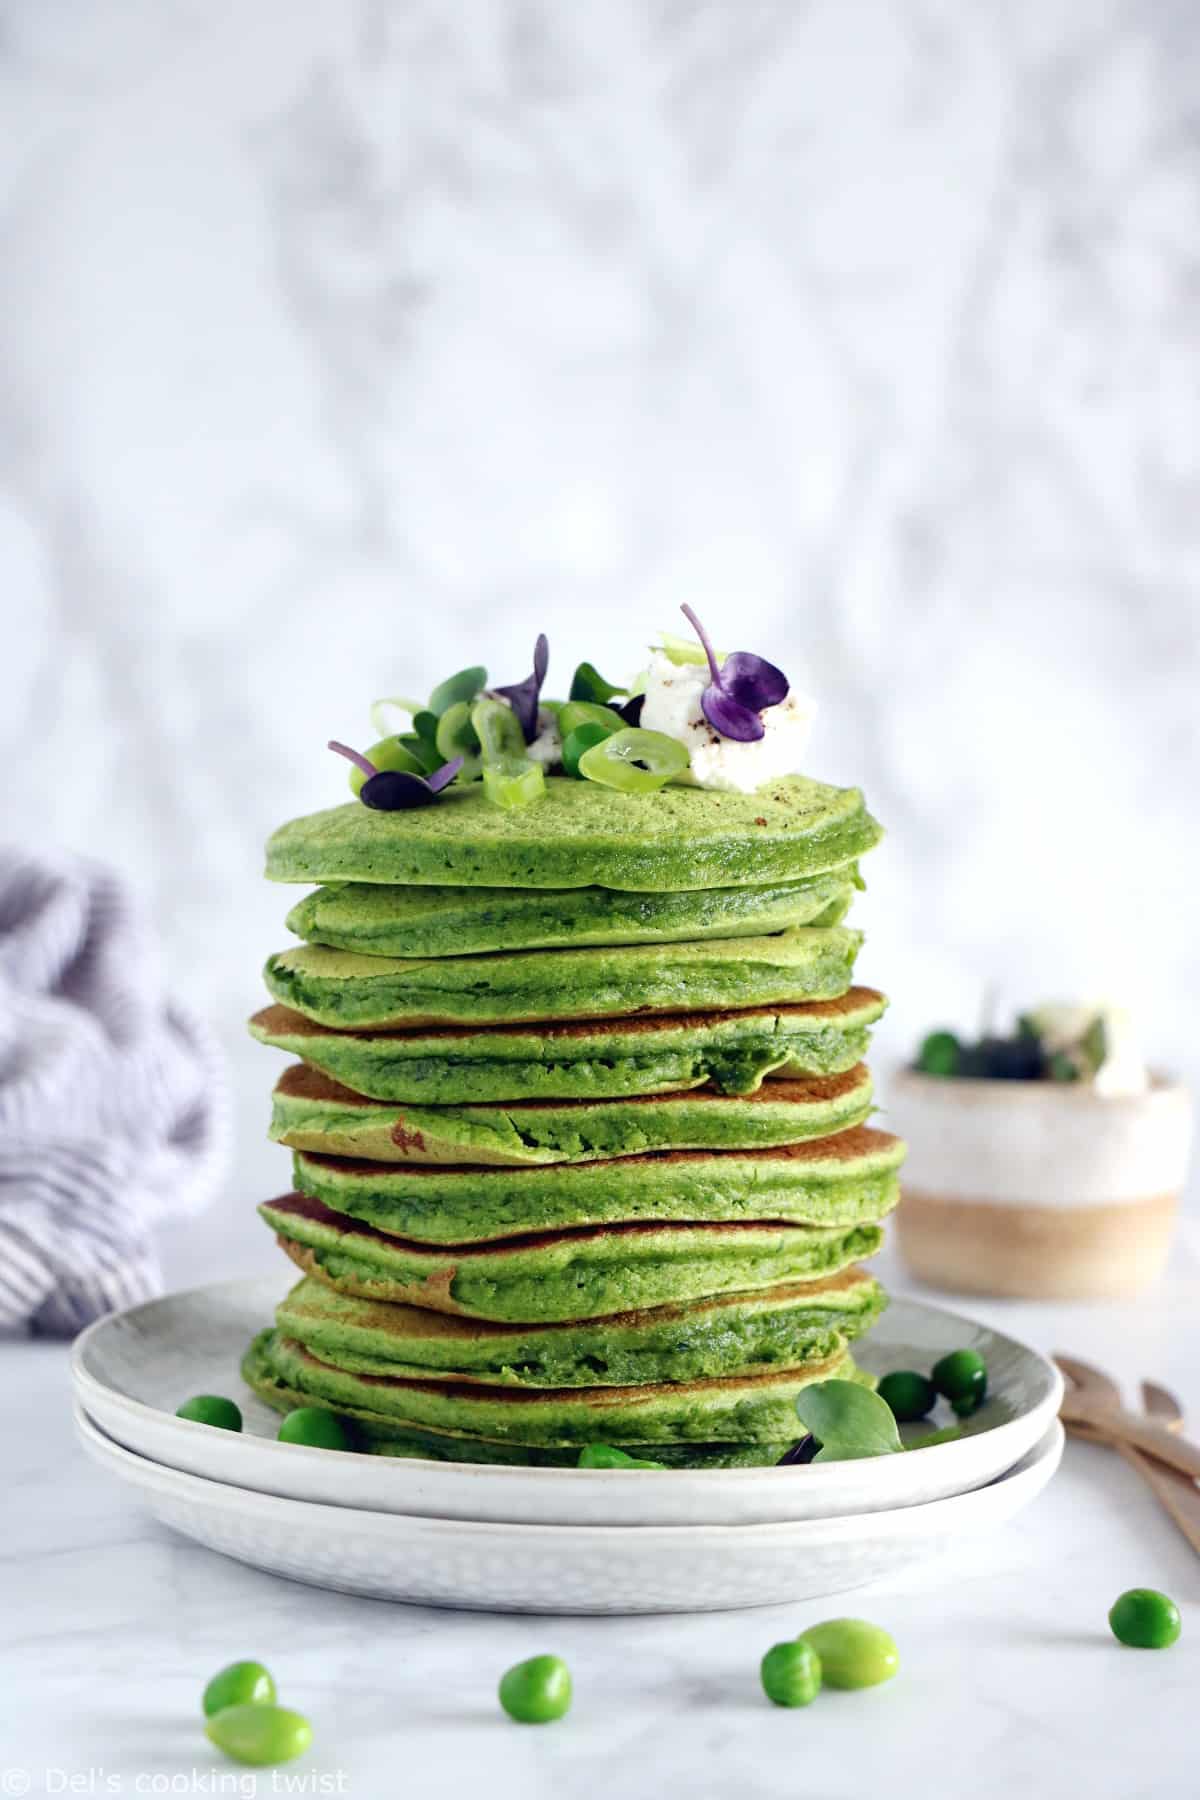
[{"x": 344, "y": 343}]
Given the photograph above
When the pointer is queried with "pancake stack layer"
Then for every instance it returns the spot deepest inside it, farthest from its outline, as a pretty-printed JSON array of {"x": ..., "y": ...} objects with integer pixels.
[{"x": 579, "y": 1125}]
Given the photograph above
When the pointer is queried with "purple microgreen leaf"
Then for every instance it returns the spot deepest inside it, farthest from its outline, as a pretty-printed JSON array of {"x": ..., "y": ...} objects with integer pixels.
[
  {"x": 803, "y": 1452},
  {"x": 631, "y": 712},
  {"x": 354, "y": 756},
  {"x": 741, "y": 688},
  {"x": 394, "y": 791},
  {"x": 523, "y": 696},
  {"x": 730, "y": 718},
  {"x": 753, "y": 681},
  {"x": 445, "y": 775}
]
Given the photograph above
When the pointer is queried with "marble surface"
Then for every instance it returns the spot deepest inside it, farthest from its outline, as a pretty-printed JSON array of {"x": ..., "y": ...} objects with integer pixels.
[
  {"x": 1010, "y": 1682},
  {"x": 346, "y": 343}
]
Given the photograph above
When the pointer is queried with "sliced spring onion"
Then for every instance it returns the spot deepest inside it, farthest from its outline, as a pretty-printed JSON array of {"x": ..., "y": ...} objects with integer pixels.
[
  {"x": 634, "y": 761},
  {"x": 514, "y": 781}
]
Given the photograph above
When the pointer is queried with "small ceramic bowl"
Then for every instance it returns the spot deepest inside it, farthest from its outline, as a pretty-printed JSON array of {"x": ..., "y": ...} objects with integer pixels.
[{"x": 1041, "y": 1189}]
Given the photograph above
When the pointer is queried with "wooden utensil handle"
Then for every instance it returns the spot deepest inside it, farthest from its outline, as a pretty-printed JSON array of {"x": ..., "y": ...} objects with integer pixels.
[{"x": 1146, "y": 1434}]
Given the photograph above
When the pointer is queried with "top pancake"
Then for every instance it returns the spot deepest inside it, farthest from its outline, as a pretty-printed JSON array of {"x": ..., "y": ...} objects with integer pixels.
[{"x": 584, "y": 835}]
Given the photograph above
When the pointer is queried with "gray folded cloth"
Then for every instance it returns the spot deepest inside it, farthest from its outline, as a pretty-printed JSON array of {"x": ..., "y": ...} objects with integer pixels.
[{"x": 113, "y": 1102}]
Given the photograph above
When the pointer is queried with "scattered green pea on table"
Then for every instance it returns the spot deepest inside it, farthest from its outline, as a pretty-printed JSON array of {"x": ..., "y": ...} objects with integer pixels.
[
  {"x": 243, "y": 1719},
  {"x": 853, "y": 1653},
  {"x": 260, "y": 1733},
  {"x": 1145, "y": 1619},
  {"x": 211, "y": 1409},
  {"x": 791, "y": 1673},
  {"x": 238, "y": 1684},
  {"x": 537, "y": 1691}
]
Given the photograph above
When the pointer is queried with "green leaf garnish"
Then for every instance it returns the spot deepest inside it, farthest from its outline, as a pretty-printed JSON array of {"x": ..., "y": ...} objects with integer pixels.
[
  {"x": 849, "y": 1421},
  {"x": 423, "y": 749},
  {"x": 575, "y": 713},
  {"x": 466, "y": 685},
  {"x": 588, "y": 683}
]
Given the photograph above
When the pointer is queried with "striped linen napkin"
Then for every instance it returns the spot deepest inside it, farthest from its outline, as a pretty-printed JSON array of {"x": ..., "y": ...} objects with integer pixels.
[{"x": 113, "y": 1105}]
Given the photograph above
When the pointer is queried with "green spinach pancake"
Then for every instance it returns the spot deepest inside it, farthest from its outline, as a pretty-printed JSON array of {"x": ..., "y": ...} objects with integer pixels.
[
  {"x": 732, "y": 1409},
  {"x": 345, "y": 990},
  {"x": 732, "y": 1334},
  {"x": 851, "y": 1178},
  {"x": 311, "y": 1112},
  {"x": 550, "y": 1276},
  {"x": 379, "y": 1435},
  {"x": 448, "y": 921},
  {"x": 589, "y": 1060},
  {"x": 583, "y": 835}
]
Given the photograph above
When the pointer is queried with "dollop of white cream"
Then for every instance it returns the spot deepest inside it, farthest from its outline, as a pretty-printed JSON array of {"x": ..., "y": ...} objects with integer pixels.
[
  {"x": 672, "y": 706},
  {"x": 546, "y": 747}
]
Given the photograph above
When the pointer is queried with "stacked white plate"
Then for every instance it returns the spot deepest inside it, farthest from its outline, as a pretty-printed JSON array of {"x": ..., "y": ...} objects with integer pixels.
[{"x": 506, "y": 1539}]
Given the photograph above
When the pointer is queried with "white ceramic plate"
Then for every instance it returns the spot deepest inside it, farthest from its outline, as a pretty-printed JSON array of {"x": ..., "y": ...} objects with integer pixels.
[
  {"x": 133, "y": 1369},
  {"x": 566, "y": 1568}
]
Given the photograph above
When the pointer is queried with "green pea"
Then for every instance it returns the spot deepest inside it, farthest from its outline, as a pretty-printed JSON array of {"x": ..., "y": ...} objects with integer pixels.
[
  {"x": 607, "y": 1456},
  {"x": 537, "y": 1691},
  {"x": 238, "y": 1684},
  {"x": 791, "y": 1674},
  {"x": 211, "y": 1409},
  {"x": 910, "y": 1396},
  {"x": 579, "y": 741},
  {"x": 853, "y": 1653},
  {"x": 940, "y": 1054},
  {"x": 962, "y": 1378},
  {"x": 1145, "y": 1619},
  {"x": 318, "y": 1427},
  {"x": 260, "y": 1733}
]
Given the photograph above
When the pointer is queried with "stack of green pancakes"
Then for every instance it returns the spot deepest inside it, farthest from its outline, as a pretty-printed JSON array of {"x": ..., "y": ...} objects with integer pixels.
[{"x": 579, "y": 1121}]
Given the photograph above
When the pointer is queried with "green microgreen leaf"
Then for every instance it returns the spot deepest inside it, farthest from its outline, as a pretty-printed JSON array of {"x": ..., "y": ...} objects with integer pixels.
[
  {"x": 848, "y": 1421},
  {"x": 588, "y": 683},
  {"x": 466, "y": 685}
]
